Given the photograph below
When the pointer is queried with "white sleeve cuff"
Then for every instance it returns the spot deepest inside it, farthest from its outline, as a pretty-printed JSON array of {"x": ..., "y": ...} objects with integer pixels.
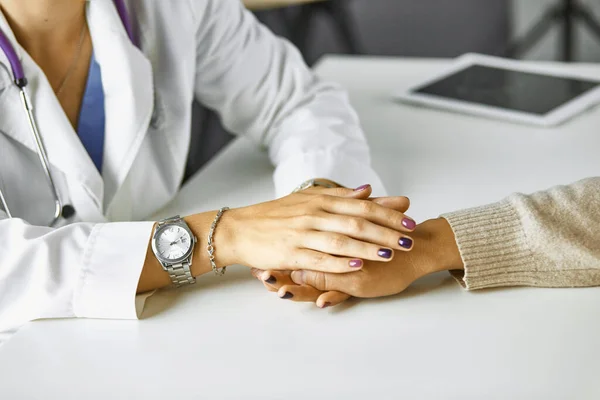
[
  {"x": 324, "y": 164},
  {"x": 111, "y": 268}
]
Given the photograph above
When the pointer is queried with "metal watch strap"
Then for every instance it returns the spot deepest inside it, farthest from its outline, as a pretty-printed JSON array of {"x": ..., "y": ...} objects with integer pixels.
[
  {"x": 180, "y": 274},
  {"x": 312, "y": 183},
  {"x": 169, "y": 220}
]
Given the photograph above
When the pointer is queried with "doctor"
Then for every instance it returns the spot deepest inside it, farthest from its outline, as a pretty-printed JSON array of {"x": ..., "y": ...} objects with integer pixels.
[{"x": 95, "y": 104}]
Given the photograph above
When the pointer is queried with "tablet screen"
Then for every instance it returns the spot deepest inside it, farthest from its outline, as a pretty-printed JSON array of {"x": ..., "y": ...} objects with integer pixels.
[{"x": 513, "y": 90}]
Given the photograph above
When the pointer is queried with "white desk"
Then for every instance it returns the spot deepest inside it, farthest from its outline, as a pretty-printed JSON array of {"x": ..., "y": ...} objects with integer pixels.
[{"x": 433, "y": 341}]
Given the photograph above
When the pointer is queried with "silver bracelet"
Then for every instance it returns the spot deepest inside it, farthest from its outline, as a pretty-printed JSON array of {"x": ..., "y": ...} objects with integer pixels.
[{"x": 211, "y": 248}]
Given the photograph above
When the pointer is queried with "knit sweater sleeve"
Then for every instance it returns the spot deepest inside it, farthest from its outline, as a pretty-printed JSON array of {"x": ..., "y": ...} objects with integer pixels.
[{"x": 547, "y": 239}]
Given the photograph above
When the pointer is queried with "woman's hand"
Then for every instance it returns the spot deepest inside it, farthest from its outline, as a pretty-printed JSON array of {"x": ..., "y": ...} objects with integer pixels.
[
  {"x": 329, "y": 230},
  {"x": 282, "y": 283},
  {"x": 435, "y": 250}
]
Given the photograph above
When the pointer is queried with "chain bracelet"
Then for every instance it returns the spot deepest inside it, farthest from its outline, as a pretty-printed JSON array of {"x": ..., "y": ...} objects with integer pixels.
[{"x": 211, "y": 248}]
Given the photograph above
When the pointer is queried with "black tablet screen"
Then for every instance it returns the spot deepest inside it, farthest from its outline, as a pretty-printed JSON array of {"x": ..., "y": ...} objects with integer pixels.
[{"x": 513, "y": 90}]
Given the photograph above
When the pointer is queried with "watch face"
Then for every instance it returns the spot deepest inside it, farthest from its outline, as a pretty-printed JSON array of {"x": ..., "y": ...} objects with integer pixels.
[{"x": 173, "y": 243}]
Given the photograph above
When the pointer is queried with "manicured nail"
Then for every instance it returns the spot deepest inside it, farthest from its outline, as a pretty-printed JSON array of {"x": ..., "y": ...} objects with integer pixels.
[
  {"x": 405, "y": 242},
  {"x": 361, "y": 188},
  {"x": 356, "y": 263},
  {"x": 409, "y": 223},
  {"x": 287, "y": 295},
  {"x": 271, "y": 279},
  {"x": 384, "y": 253},
  {"x": 325, "y": 305}
]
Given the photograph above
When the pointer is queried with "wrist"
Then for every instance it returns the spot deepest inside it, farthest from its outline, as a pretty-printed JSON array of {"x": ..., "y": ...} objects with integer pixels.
[
  {"x": 225, "y": 237},
  {"x": 224, "y": 249},
  {"x": 439, "y": 249}
]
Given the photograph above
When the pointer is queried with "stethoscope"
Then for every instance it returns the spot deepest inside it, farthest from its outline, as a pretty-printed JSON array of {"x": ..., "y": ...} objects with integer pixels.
[{"x": 61, "y": 210}]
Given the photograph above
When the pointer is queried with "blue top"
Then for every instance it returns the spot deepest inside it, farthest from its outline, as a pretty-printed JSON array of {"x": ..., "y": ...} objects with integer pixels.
[{"x": 91, "y": 117}]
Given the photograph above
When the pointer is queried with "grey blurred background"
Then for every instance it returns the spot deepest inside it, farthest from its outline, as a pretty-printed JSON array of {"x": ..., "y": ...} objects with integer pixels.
[
  {"x": 442, "y": 28},
  {"x": 408, "y": 28},
  {"x": 411, "y": 28},
  {"x": 523, "y": 14}
]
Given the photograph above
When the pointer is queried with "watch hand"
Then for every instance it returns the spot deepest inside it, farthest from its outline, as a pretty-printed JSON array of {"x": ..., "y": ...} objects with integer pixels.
[{"x": 178, "y": 240}]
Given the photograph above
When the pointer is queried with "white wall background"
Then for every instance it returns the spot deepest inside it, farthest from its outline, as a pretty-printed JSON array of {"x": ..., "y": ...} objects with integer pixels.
[{"x": 525, "y": 13}]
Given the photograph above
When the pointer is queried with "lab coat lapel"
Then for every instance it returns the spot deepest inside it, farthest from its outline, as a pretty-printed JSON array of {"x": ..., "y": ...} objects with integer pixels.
[
  {"x": 63, "y": 146},
  {"x": 127, "y": 81}
]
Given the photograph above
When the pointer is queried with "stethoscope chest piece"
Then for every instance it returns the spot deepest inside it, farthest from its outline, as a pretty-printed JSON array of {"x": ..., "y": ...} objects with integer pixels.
[{"x": 68, "y": 211}]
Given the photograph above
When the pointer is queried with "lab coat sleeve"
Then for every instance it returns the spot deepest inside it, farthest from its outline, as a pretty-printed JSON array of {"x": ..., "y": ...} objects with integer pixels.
[
  {"x": 261, "y": 87},
  {"x": 80, "y": 270}
]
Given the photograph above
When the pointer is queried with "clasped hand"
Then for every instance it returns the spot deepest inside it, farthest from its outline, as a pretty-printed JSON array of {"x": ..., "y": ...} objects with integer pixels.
[
  {"x": 328, "y": 230},
  {"x": 434, "y": 250}
]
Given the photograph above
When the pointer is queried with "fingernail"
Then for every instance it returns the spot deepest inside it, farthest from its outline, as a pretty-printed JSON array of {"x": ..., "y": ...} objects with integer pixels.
[
  {"x": 384, "y": 253},
  {"x": 298, "y": 277},
  {"x": 361, "y": 188},
  {"x": 356, "y": 263},
  {"x": 272, "y": 279},
  {"x": 325, "y": 305},
  {"x": 287, "y": 295},
  {"x": 405, "y": 242},
  {"x": 409, "y": 223}
]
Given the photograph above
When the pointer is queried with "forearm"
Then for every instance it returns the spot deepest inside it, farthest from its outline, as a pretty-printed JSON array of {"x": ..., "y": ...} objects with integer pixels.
[
  {"x": 547, "y": 239},
  {"x": 435, "y": 249}
]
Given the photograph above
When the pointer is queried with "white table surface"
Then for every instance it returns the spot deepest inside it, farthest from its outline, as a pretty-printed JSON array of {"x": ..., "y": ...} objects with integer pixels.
[{"x": 229, "y": 339}]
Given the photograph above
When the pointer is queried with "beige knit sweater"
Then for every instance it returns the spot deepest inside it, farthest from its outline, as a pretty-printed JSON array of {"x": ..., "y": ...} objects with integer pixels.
[{"x": 547, "y": 239}]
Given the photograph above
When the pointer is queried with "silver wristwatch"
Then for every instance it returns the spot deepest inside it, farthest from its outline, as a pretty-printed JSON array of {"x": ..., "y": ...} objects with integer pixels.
[
  {"x": 312, "y": 183},
  {"x": 173, "y": 245}
]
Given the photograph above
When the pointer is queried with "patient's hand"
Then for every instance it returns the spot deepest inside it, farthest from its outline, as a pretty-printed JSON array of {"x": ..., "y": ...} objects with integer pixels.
[{"x": 434, "y": 250}]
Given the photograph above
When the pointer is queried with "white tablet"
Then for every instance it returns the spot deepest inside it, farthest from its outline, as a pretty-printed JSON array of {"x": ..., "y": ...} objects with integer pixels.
[{"x": 506, "y": 89}]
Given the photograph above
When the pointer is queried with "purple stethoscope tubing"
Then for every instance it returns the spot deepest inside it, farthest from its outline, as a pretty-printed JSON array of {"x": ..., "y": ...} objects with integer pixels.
[
  {"x": 122, "y": 10},
  {"x": 13, "y": 59},
  {"x": 60, "y": 210}
]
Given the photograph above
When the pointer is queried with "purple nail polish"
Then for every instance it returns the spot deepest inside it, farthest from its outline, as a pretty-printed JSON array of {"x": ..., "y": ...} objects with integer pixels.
[
  {"x": 361, "y": 188},
  {"x": 409, "y": 223},
  {"x": 271, "y": 279},
  {"x": 405, "y": 242},
  {"x": 327, "y": 304},
  {"x": 384, "y": 253},
  {"x": 287, "y": 295},
  {"x": 356, "y": 263}
]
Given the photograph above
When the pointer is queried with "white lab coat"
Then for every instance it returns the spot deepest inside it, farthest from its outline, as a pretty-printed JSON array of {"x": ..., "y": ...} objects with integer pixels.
[{"x": 210, "y": 50}]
